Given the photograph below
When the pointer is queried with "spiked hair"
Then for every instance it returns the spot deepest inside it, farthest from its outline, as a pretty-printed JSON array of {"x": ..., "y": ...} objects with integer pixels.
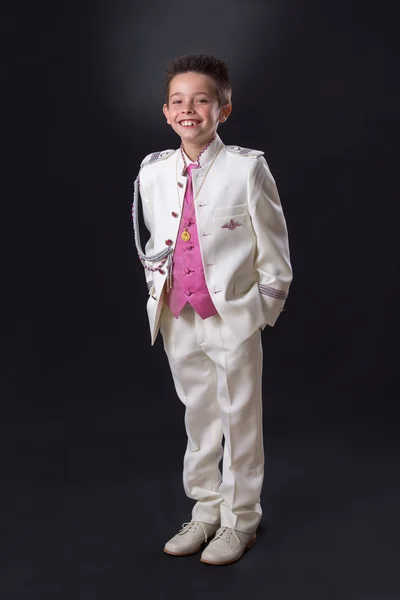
[{"x": 206, "y": 65}]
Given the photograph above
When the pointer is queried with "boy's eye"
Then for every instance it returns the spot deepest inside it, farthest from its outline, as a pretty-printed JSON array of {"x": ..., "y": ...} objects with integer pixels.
[{"x": 199, "y": 100}]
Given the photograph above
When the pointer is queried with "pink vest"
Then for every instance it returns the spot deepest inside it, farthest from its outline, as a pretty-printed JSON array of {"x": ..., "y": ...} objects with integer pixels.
[{"x": 188, "y": 281}]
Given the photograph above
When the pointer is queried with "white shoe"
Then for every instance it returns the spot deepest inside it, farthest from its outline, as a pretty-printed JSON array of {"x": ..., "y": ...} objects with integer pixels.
[
  {"x": 227, "y": 546},
  {"x": 190, "y": 538}
]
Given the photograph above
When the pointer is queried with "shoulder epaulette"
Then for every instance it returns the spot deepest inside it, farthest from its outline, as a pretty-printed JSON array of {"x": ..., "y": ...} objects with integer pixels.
[
  {"x": 155, "y": 157},
  {"x": 244, "y": 151}
]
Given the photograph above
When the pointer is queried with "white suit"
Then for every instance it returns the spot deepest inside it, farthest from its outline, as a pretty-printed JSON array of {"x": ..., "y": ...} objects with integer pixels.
[{"x": 216, "y": 363}]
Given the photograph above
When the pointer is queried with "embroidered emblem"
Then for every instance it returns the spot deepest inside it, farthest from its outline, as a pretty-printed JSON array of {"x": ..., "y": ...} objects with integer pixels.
[{"x": 231, "y": 225}]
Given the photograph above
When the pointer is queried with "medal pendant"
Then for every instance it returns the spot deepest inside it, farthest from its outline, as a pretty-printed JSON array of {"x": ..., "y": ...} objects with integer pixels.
[{"x": 185, "y": 235}]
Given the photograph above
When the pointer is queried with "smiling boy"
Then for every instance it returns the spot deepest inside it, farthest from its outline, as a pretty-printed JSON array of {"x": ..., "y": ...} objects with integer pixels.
[{"x": 218, "y": 271}]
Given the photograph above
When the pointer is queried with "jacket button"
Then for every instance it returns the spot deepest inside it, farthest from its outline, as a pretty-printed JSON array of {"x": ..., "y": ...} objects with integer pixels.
[
  {"x": 187, "y": 271},
  {"x": 168, "y": 242},
  {"x": 188, "y": 293},
  {"x": 174, "y": 214}
]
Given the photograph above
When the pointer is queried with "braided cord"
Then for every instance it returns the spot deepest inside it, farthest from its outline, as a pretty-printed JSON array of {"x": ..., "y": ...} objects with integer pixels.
[{"x": 163, "y": 255}]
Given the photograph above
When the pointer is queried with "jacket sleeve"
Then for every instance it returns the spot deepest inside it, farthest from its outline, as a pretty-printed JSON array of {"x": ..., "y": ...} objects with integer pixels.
[
  {"x": 147, "y": 208},
  {"x": 272, "y": 249}
]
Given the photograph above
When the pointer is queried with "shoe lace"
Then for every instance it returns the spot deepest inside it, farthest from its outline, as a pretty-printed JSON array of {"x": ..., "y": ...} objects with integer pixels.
[
  {"x": 193, "y": 524},
  {"x": 225, "y": 533}
]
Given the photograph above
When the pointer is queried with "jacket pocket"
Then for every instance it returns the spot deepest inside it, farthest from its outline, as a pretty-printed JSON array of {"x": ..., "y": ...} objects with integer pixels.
[
  {"x": 244, "y": 282},
  {"x": 230, "y": 211}
]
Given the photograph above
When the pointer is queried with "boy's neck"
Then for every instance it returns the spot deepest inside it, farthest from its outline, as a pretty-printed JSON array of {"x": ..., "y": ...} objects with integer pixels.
[{"x": 193, "y": 151}]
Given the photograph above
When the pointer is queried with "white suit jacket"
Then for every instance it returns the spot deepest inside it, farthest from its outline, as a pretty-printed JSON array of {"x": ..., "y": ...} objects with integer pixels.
[{"x": 242, "y": 232}]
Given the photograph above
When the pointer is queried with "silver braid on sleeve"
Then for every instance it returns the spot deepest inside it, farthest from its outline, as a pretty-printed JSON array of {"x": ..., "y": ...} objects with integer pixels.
[{"x": 164, "y": 255}]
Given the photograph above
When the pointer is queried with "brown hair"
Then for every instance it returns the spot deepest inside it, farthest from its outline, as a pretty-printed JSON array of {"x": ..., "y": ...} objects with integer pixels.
[{"x": 206, "y": 65}]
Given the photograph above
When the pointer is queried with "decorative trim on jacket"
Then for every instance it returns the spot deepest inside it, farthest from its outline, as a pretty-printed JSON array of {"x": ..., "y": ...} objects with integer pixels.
[{"x": 267, "y": 290}]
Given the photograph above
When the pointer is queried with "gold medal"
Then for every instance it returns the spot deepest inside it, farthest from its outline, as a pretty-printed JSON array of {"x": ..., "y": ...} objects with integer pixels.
[{"x": 185, "y": 235}]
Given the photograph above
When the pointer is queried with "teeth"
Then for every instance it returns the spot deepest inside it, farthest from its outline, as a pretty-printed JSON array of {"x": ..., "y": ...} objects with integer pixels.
[{"x": 188, "y": 123}]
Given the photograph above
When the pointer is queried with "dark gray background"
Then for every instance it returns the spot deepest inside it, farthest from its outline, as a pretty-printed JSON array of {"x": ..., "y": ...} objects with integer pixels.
[{"x": 91, "y": 432}]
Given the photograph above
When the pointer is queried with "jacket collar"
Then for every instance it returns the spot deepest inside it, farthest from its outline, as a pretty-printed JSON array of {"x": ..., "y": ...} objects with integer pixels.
[{"x": 203, "y": 159}]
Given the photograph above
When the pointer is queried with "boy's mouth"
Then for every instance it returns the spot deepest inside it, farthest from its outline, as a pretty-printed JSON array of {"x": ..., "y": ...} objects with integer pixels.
[{"x": 188, "y": 123}]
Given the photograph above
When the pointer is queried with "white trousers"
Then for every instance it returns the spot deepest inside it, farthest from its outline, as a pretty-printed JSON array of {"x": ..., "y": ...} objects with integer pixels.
[{"x": 218, "y": 379}]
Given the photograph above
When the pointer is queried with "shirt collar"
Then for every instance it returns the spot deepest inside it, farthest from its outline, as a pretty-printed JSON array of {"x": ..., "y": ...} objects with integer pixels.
[
  {"x": 204, "y": 158},
  {"x": 189, "y": 161}
]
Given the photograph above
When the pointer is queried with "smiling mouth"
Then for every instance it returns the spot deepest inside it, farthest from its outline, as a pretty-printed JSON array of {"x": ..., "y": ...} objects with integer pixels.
[{"x": 189, "y": 123}]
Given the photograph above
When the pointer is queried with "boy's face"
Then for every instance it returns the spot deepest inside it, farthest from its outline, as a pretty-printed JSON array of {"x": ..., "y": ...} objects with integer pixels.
[{"x": 193, "y": 97}]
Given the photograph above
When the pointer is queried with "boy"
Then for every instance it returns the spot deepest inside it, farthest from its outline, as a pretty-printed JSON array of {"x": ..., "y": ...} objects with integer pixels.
[{"x": 215, "y": 211}]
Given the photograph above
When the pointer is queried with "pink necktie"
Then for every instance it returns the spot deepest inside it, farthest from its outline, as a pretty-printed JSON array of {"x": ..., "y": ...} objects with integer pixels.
[{"x": 189, "y": 188}]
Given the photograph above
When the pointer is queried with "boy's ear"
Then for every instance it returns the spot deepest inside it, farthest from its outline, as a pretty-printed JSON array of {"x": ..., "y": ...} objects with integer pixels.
[
  {"x": 225, "y": 112},
  {"x": 166, "y": 113}
]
